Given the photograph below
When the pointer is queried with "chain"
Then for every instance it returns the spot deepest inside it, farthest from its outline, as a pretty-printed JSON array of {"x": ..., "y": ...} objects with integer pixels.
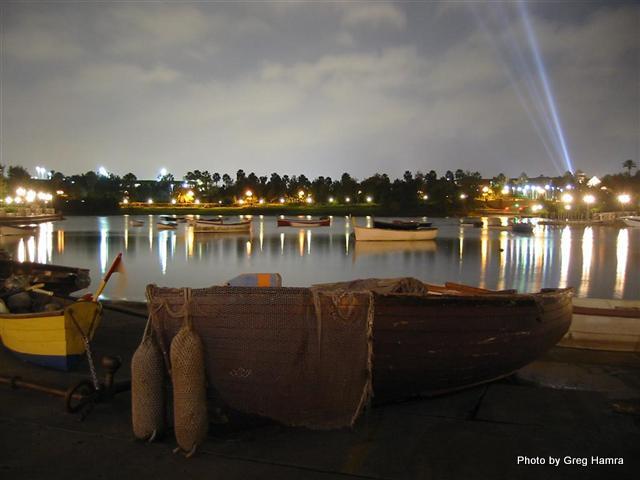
[{"x": 92, "y": 368}]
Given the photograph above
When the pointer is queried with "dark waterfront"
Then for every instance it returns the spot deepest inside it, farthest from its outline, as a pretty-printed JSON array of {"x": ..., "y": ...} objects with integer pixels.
[{"x": 597, "y": 261}]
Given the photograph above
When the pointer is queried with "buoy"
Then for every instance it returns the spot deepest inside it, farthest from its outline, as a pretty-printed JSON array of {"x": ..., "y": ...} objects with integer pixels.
[
  {"x": 191, "y": 421},
  {"x": 147, "y": 389}
]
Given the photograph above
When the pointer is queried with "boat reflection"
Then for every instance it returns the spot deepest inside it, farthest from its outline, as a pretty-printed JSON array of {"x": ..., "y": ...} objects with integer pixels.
[{"x": 391, "y": 247}]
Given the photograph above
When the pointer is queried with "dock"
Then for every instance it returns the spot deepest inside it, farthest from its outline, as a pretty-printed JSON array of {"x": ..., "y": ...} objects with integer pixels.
[{"x": 571, "y": 405}]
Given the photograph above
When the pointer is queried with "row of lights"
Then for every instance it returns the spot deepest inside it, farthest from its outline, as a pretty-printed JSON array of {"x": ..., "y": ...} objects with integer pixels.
[{"x": 28, "y": 196}]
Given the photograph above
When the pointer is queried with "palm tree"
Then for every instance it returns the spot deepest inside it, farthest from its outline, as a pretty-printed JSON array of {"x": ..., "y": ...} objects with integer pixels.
[{"x": 629, "y": 165}]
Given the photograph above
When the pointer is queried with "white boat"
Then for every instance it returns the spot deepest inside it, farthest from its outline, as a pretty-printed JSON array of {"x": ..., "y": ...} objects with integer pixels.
[
  {"x": 211, "y": 227},
  {"x": 386, "y": 234},
  {"x": 602, "y": 324},
  {"x": 136, "y": 223},
  {"x": 167, "y": 225},
  {"x": 17, "y": 229},
  {"x": 633, "y": 221}
]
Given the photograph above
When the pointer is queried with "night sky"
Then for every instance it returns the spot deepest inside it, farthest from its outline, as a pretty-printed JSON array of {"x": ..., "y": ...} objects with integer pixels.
[{"x": 320, "y": 88}]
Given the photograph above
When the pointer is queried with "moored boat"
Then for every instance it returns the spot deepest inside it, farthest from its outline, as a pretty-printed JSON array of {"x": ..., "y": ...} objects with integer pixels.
[
  {"x": 221, "y": 227},
  {"x": 304, "y": 222},
  {"x": 167, "y": 225},
  {"x": 17, "y": 229},
  {"x": 401, "y": 225},
  {"x": 522, "y": 227},
  {"x": 475, "y": 222},
  {"x": 394, "y": 234},
  {"x": 136, "y": 223},
  {"x": 10, "y": 219},
  {"x": 59, "y": 279},
  {"x": 409, "y": 343},
  {"x": 53, "y": 339},
  {"x": 632, "y": 221},
  {"x": 603, "y": 324}
]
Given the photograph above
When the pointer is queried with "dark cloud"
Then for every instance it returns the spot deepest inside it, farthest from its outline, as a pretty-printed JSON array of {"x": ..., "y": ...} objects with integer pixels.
[{"x": 315, "y": 88}]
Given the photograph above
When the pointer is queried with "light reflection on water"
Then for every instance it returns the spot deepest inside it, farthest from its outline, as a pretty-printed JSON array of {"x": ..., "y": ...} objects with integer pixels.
[{"x": 597, "y": 261}]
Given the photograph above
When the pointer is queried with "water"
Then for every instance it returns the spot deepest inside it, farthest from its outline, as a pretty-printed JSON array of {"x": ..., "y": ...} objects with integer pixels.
[{"x": 600, "y": 262}]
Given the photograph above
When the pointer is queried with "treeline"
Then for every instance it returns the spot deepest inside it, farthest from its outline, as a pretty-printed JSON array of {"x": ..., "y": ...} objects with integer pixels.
[{"x": 454, "y": 191}]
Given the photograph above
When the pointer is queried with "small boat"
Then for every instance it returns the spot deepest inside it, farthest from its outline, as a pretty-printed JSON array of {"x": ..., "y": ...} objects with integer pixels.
[
  {"x": 136, "y": 223},
  {"x": 205, "y": 221},
  {"x": 395, "y": 234},
  {"x": 58, "y": 279},
  {"x": 602, "y": 324},
  {"x": 173, "y": 218},
  {"x": 53, "y": 339},
  {"x": 11, "y": 219},
  {"x": 167, "y": 225},
  {"x": 220, "y": 227},
  {"x": 522, "y": 228},
  {"x": 471, "y": 222},
  {"x": 632, "y": 221},
  {"x": 304, "y": 222},
  {"x": 392, "y": 343},
  {"x": 17, "y": 229},
  {"x": 401, "y": 225}
]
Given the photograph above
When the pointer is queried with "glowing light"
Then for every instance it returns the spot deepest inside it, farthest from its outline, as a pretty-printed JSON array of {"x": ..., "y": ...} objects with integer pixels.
[
  {"x": 241, "y": 202},
  {"x": 370, "y": 199},
  {"x": 536, "y": 208},
  {"x": 281, "y": 200},
  {"x": 125, "y": 200},
  {"x": 593, "y": 182},
  {"x": 31, "y": 196},
  {"x": 261, "y": 201},
  {"x": 21, "y": 192},
  {"x": 505, "y": 190},
  {"x": 624, "y": 198},
  {"x": 331, "y": 200},
  {"x": 485, "y": 189},
  {"x": 589, "y": 199},
  {"x": 425, "y": 197},
  {"x": 569, "y": 187},
  {"x": 347, "y": 199},
  {"x": 309, "y": 200},
  {"x": 197, "y": 201},
  {"x": 8, "y": 200},
  {"x": 150, "y": 201},
  {"x": 567, "y": 198},
  {"x": 301, "y": 193},
  {"x": 463, "y": 196},
  {"x": 248, "y": 193},
  {"x": 103, "y": 172},
  {"x": 163, "y": 172},
  {"x": 59, "y": 192},
  {"x": 567, "y": 207},
  {"x": 173, "y": 201}
]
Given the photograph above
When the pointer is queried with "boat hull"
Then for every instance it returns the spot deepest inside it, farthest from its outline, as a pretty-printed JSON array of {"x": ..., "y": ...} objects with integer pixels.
[
  {"x": 49, "y": 339},
  {"x": 383, "y": 234},
  {"x": 303, "y": 223},
  {"x": 17, "y": 230},
  {"x": 241, "y": 227},
  {"x": 631, "y": 221},
  {"x": 422, "y": 344}
]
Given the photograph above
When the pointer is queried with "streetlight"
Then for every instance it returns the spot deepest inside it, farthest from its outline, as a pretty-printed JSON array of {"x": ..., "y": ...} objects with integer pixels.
[
  {"x": 624, "y": 198},
  {"x": 370, "y": 198},
  {"x": 589, "y": 199},
  {"x": 567, "y": 198},
  {"x": 249, "y": 193},
  {"x": 463, "y": 196}
]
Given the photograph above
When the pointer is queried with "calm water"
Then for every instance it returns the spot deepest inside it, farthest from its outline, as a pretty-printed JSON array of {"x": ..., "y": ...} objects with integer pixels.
[{"x": 599, "y": 262}]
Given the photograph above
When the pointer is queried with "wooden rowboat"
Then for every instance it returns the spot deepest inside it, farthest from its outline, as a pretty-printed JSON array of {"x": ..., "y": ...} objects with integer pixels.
[
  {"x": 631, "y": 221},
  {"x": 601, "y": 324},
  {"x": 419, "y": 344},
  {"x": 389, "y": 234},
  {"x": 167, "y": 225},
  {"x": 51, "y": 339},
  {"x": 401, "y": 225},
  {"x": 215, "y": 227},
  {"x": 304, "y": 222},
  {"x": 58, "y": 279},
  {"x": 17, "y": 230}
]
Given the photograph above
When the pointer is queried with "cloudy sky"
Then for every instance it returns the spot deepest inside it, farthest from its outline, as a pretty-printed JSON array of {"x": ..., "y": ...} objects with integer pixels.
[{"x": 320, "y": 87}]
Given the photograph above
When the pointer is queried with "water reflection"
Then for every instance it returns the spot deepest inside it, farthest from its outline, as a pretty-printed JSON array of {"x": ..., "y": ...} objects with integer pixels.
[
  {"x": 490, "y": 258},
  {"x": 622, "y": 251}
]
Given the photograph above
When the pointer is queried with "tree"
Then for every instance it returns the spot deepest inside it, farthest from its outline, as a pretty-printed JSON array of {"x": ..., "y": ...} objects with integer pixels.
[
  {"x": 216, "y": 178},
  {"x": 18, "y": 174},
  {"x": 629, "y": 165}
]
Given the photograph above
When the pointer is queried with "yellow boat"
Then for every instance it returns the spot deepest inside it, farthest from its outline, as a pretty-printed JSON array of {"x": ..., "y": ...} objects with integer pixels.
[{"x": 51, "y": 339}]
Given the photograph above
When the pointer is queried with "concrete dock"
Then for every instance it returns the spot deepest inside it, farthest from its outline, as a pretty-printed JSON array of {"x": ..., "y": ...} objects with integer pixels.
[{"x": 576, "y": 407}]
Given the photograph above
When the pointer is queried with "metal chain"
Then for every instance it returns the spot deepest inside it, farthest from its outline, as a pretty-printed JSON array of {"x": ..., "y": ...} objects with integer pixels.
[{"x": 92, "y": 368}]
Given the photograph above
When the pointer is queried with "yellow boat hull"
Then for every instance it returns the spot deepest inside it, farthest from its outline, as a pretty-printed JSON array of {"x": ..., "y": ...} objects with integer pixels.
[{"x": 51, "y": 339}]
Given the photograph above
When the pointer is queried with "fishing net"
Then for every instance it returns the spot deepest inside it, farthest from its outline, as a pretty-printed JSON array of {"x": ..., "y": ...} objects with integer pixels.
[{"x": 300, "y": 357}]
